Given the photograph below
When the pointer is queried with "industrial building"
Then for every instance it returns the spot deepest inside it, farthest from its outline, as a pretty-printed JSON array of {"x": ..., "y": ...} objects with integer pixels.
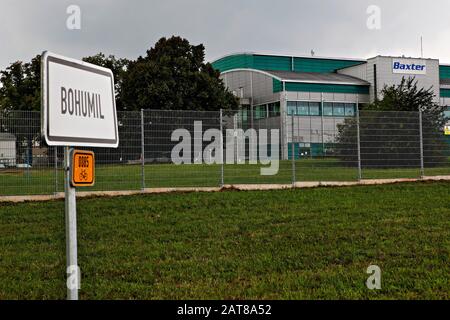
[
  {"x": 7, "y": 150},
  {"x": 319, "y": 92}
]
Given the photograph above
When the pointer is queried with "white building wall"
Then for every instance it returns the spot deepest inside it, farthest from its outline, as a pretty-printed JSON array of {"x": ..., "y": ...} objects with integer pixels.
[
  {"x": 445, "y": 101},
  {"x": 359, "y": 71},
  {"x": 386, "y": 76},
  {"x": 8, "y": 152},
  {"x": 253, "y": 85}
]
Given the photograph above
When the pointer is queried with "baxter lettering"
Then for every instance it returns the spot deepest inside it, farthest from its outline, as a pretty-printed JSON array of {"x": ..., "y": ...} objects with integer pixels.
[
  {"x": 81, "y": 103},
  {"x": 413, "y": 67}
]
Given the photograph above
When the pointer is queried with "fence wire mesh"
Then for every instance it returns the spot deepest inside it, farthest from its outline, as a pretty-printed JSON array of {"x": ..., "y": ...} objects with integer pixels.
[
  {"x": 164, "y": 131},
  {"x": 170, "y": 149},
  {"x": 320, "y": 152}
]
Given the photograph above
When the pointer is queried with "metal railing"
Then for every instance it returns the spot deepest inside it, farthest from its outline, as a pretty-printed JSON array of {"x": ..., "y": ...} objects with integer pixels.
[{"x": 218, "y": 146}]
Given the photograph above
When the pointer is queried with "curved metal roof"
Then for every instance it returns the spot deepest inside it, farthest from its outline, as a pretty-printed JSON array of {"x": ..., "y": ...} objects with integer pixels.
[
  {"x": 316, "y": 77},
  {"x": 307, "y": 77}
]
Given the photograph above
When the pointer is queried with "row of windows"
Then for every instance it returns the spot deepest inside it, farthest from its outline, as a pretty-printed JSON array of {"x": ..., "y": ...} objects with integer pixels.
[
  {"x": 303, "y": 108},
  {"x": 262, "y": 111}
]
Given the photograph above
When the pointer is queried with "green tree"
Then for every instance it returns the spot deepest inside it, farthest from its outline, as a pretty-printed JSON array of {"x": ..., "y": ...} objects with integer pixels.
[
  {"x": 118, "y": 66},
  {"x": 406, "y": 96},
  {"x": 20, "y": 92},
  {"x": 20, "y": 86},
  {"x": 174, "y": 76}
]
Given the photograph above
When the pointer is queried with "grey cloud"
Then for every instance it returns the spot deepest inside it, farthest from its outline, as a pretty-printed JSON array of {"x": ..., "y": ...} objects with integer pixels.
[{"x": 129, "y": 28}]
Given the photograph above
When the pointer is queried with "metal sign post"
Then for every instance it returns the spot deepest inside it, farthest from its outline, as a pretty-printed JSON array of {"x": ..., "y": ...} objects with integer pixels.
[
  {"x": 78, "y": 109},
  {"x": 73, "y": 271}
]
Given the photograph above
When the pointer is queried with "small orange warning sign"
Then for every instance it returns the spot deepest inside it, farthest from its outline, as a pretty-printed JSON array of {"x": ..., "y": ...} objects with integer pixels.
[{"x": 83, "y": 168}]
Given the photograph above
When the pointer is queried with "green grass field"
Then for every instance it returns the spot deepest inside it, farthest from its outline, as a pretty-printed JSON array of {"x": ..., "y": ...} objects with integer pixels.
[
  {"x": 287, "y": 244},
  {"x": 128, "y": 177}
]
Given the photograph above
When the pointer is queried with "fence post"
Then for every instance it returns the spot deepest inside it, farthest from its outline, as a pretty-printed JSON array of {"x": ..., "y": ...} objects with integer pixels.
[
  {"x": 142, "y": 151},
  {"x": 56, "y": 169},
  {"x": 294, "y": 178},
  {"x": 358, "y": 133},
  {"x": 321, "y": 124},
  {"x": 284, "y": 136},
  {"x": 221, "y": 151},
  {"x": 422, "y": 167}
]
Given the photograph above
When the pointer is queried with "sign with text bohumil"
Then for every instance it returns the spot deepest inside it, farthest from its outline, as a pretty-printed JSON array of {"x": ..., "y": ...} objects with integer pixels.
[{"x": 78, "y": 103}]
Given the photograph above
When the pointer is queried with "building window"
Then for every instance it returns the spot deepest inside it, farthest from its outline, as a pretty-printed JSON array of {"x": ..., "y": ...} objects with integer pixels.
[
  {"x": 274, "y": 109},
  {"x": 339, "y": 109},
  {"x": 314, "y": 108},
  {"x": 302, "y": 108},
  {"x": 447, "y": 112},
  {"x": 261, "y": 111},
  {"x": 350, "y": 109},
  {"x": 330, "y": 109},
  {"x": 292, "y": 108},
  {"x": 244, "y": 113},
  {"x": 327, "y": 109}
]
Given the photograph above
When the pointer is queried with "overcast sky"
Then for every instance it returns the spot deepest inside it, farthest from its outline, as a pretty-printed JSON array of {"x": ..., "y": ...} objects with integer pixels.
[{"x": 335, "y": 28}]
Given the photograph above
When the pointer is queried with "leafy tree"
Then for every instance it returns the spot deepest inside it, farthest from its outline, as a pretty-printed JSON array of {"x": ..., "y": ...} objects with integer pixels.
[
  {"x": 389, "y": 129},
  {"x": 20, "y": 93},
  {"x": 174, "y": 76},
  {"x": 118, "y": 66},
  {"x": 406, "y": 96},
  {"x": 20, "y": 86}
]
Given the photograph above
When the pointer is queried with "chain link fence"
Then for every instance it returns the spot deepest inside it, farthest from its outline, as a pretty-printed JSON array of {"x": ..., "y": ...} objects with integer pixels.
[{"x": 173, "y": 149}]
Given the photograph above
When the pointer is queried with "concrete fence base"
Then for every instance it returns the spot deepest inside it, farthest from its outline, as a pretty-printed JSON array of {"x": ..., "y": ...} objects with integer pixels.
[{"x": 240, "y": 187}]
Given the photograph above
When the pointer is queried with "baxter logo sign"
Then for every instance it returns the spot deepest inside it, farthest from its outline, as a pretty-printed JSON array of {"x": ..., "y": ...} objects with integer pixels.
[{"x": 409, "y": 66}]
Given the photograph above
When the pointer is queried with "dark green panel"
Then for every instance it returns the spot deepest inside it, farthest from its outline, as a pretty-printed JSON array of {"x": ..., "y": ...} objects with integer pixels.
[
  {"x": 444, "y": 72},
  {"x": 277, "y": 85},
  {"x": 238, "y": 61},
  {"x": 281, "y": 63},
  {"x": 445, "y": 93},
  {"x": 262, "y": 62},
  {"x": 333, "y": 88},
  {"x": 321, "y": 65}
]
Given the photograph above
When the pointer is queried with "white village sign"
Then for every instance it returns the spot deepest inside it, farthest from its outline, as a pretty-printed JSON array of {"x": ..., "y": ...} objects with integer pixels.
[
  {"x": 78, "y": 103},
  {"x": 78, "y": 109}
]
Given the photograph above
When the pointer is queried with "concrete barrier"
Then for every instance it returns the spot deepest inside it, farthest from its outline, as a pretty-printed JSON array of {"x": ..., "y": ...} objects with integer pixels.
[{"x": 240, "y": 187}]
